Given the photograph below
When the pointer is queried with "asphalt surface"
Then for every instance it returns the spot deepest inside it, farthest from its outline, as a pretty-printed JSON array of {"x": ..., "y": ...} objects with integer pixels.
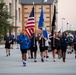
[{"x": 12, "y": 65}]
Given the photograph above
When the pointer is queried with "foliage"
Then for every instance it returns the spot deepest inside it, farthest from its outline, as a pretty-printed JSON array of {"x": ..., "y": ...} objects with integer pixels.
[
  {"x": 74, "y": 32},
  {"x": 4, "y": 17}
]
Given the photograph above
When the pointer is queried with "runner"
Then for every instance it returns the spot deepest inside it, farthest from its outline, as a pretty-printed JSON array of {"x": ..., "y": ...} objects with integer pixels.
[
  {"x": 53, "y": 46},
  {"x": 7, "y": 44},
  {"x": 74, "y": 42},
  {"x": 12, "y": 38},
  {"x": 64, "y": 43},
  {"x": 23, "y": 47},
  {"x": 42, "y": 46},
  {"x": 34, "y": 40}
]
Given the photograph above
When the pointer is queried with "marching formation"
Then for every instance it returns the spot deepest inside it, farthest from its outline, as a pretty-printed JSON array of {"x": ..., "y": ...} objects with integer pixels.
[{"x": 59, "y": 44}]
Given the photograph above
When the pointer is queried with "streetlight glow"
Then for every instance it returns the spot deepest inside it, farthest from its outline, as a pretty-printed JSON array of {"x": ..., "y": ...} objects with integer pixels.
[
  {"x": 33, "y": 3},
  {"x": 45, "y": 0}
]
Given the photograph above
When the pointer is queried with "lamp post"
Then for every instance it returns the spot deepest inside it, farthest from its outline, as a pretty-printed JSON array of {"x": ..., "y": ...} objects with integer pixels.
[
  {"x": 70, "y": 27},
  {"x": 67, "y": 25},
  {"x": 62, "y": 23}
]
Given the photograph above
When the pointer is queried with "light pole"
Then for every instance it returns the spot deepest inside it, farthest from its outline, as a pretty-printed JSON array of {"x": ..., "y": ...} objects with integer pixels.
[
  {"x": 67, "y": 25},
  {"x": 62, "y": 23},
  {"x": 71, "y": 27}
]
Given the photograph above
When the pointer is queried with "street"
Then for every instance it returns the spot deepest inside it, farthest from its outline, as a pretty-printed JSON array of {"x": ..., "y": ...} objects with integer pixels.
[{"x": 12, "y": 65}]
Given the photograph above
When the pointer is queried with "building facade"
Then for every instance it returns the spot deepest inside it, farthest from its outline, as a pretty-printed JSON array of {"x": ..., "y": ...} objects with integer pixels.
[
  {"x": 14, "y": 8},
  {"x": 20, "y": 10},
  {"x": 48, "y": 12}
]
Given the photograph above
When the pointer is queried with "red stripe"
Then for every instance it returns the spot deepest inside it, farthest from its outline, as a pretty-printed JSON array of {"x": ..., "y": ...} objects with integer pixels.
[
  {"x": 29, "y": 26},
  {"x": 31, "y": 23},
  {"x": 27, "y": 33},
  {"x": 30, "y": 19},
  {"x": 31, "y": 31}
]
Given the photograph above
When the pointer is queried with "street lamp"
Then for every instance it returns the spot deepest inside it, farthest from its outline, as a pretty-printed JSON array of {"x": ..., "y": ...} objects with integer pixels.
[
  {"x": 62, "y": 23},
  {"x": 67, "y": 25},
  {"x": 45, "y": 0},
  {"x": 70, "y": 27}
]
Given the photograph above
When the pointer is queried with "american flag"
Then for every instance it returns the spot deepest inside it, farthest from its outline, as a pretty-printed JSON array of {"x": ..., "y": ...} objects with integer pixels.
[{"x": 30, "y": 25}]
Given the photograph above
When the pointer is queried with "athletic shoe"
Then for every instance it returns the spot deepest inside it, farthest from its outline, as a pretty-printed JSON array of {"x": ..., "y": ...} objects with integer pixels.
[
  {"x": 59, "y": 57},
  {"x": 75, "y": 56},
  {"x": 54, "y": 60},
  {"x": 47, "y": 56},
  {"x": 29, "y": 57},
  {"x": 63, "y": 59},
  {"x": 24, "y": 63},
  {"x": 68, "y": 52},
  {"x": 72, "y": 50},
  {"x": 9, "y": 54},
  {"x": 42, "y": 60},
  {"x": 35, "y": 60}
]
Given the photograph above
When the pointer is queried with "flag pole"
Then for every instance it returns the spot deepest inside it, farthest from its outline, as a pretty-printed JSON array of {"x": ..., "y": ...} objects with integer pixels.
[
  {"x": 34, "y": 27},
  {"x": 34, "y": 17},
  {"x": 42, "y": 32},
  {"x": 53, "y": 23}
]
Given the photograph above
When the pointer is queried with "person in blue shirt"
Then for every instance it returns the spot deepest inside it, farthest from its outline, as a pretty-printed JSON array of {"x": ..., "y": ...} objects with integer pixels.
[
  {"x": 12, "y": 38},
  {"x": 17, "y": 40},
  {"x": 24, "y": 41},
  {"x": 64, "y": 43}
]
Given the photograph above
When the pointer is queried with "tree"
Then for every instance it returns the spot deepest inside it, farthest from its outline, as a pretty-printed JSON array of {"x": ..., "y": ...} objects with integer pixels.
[{"x": 4, "y": 19}]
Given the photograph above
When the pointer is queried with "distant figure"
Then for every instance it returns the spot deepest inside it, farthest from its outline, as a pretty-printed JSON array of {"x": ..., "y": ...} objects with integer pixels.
[
  {"x": 74, "y": 42},
  {"x": 12, "y": 42},
  {"x": 8, "y": 41},
  {"x": 17, "y": 40},
  {"x": 70, "y": 43},
  {"x": 64, "y": 43},
  {"x": 42, "y": 46},
  {"x": 53, "y": 39},
  {"x": 33, "y": 48}
]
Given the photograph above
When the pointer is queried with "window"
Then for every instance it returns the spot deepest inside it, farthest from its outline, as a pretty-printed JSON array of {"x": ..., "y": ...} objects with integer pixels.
[
  {"x": 16, "y": 14},
  {"x": 25, "y": 8},
  {"x": 47, "y": 8},
  {"x": 19, "y": 14},
  {"x": 26, "y": 17},
  {"x": 47, "y": 17}
]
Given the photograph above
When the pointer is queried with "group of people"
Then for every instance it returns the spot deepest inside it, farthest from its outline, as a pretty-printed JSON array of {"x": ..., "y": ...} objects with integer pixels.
[{"x": 58, "y": 42}]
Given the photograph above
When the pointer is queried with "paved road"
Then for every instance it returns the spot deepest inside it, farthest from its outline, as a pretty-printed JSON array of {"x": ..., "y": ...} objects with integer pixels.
[{"x": 12, "y": 65}]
